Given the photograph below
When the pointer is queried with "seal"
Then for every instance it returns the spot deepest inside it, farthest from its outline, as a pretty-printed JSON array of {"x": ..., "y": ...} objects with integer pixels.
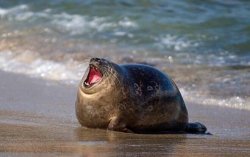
[{"x": 131, "y": 98}]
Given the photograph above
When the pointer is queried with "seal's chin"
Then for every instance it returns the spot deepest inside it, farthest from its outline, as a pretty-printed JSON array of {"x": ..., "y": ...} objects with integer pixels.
[{"x": 94, "y": 76}]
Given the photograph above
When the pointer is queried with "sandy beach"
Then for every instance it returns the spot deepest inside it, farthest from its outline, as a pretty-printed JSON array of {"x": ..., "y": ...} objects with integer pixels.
[{"x": 38, "y": 119}]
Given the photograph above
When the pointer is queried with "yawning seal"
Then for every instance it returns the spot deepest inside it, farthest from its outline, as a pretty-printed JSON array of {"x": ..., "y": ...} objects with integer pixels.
[{"x": 131, "y": 98}]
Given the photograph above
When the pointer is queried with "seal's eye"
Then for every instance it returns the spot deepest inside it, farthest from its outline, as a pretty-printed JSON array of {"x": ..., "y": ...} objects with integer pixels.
[{"x": 94, "y": 76}]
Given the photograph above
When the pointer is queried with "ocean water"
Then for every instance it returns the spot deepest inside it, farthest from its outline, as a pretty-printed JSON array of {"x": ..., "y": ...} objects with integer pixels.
[{"x": 203, "y": 45}]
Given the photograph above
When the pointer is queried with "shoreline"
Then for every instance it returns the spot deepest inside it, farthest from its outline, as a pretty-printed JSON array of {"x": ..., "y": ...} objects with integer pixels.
[{"x": 38, "y": 118}]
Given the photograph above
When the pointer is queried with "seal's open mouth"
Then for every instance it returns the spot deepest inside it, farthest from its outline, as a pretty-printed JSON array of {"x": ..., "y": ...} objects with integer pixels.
[{"x": 94, "y": 76}]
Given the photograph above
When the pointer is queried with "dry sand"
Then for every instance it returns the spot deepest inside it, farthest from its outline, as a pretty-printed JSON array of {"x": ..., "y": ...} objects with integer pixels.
[{"x": 37, "y": 118}]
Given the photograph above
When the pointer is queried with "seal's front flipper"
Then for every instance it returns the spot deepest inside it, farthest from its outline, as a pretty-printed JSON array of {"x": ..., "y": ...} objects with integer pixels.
[
  {"x": 117, "y": 124},
  {"x": 196, "y": 128}
]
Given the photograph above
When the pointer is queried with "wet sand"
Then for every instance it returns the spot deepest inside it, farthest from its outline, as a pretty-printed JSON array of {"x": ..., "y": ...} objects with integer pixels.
[{"x": 37, "y": 118}]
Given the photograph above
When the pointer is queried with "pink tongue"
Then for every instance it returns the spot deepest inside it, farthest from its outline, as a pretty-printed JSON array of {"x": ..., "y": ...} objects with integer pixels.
[{"x": 94, "y": 76}]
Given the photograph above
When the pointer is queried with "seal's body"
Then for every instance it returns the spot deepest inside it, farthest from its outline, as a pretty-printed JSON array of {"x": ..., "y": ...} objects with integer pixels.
[{"x": 131, "y": 98}]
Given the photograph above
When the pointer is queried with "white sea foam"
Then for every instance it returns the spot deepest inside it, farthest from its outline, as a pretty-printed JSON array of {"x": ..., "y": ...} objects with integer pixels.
[
  {"x": 79, "y": 24},
  {"x": 195, "y": 96},
  {"x": 27, "y": 63},
  {"x": 174, "y": 42},
  {"x": 2, "y": 12},
  {"x": 20, "y": 12},
  {"x": 76, "y": 24},
  {"x": 13, "y": 10},
  {"x": 126, "y": 22},
  {"x": 73, "y": 24},
  {"x": 23, "y": 13}
]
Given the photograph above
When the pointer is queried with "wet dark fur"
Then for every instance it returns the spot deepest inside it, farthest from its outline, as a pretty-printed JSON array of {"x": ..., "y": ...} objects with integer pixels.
[{"x": 132, "y": 98}]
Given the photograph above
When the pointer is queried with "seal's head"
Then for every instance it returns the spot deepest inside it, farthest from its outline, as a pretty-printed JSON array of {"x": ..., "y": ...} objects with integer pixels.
[
  {"x": 94, "y": 104},
  {"x": 101, "y": 74}
]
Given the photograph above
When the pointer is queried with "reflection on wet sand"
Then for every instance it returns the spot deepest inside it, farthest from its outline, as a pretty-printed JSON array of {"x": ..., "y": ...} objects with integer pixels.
[
  {"x": 77, "y": 141},
  {"x": 124, "y": 144},
  {"x": 84, "y": 142}
]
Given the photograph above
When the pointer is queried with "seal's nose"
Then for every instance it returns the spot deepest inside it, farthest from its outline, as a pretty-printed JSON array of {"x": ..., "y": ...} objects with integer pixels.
[{"x": 95, "y": 60}]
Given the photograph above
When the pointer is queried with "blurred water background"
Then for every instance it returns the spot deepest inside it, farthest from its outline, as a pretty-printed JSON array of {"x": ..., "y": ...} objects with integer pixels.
[{"x": 203, "y": 45}]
